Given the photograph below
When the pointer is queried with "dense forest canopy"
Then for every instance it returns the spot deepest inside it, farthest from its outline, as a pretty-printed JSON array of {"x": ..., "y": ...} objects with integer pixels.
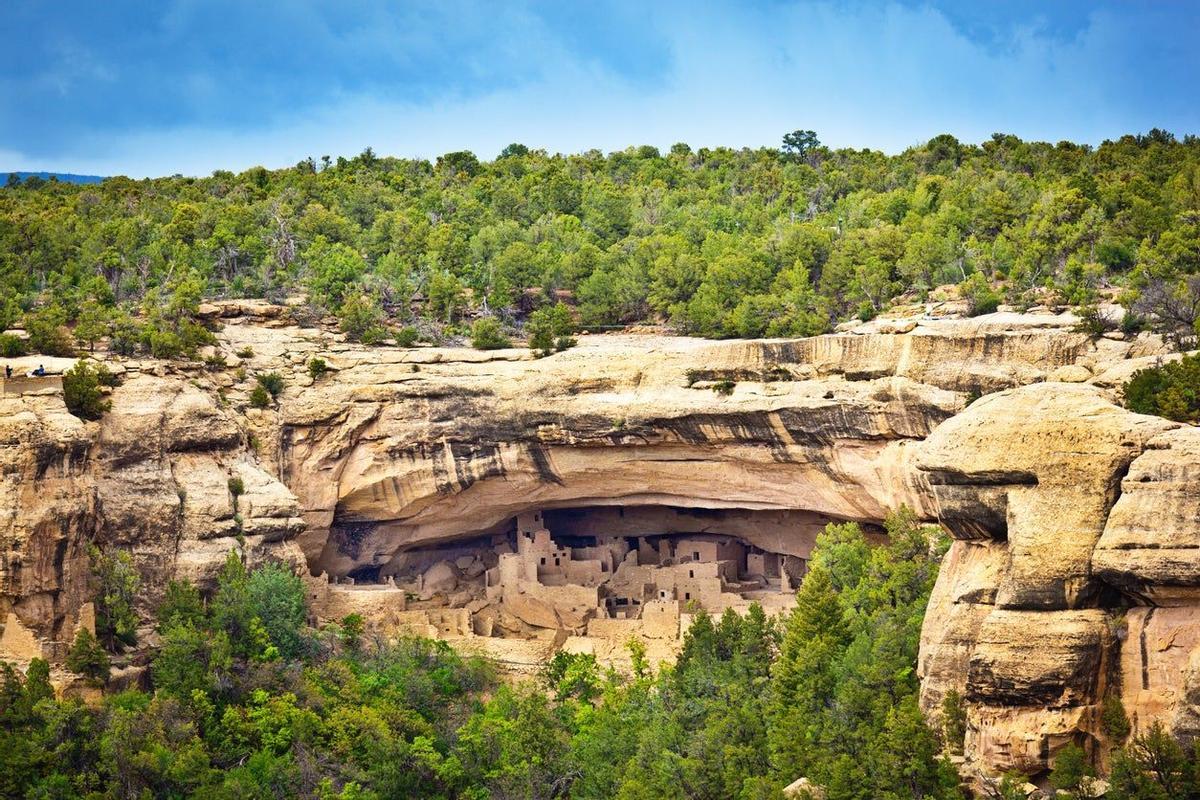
[{"x": 717, "y": 242}]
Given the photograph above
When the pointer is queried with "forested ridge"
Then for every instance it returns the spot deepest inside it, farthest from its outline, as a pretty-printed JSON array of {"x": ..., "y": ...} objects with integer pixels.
[{"x": 715, "y": 242}]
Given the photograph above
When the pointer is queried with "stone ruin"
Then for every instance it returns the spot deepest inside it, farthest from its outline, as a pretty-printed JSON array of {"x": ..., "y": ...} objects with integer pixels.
[{"x": 584, "y": 593}]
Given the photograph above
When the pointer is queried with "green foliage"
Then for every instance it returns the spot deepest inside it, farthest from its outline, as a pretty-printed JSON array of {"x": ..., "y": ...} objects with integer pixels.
[
  {"x": 352, "y": 631},
  {"x": 361, "y": 319},
  {"x": 718, "y": 241},
  {"x": 117, "y": 587},
  {"x": 11, "y": 346},
  {"x": 1170, "y": 390},
  {"x": 317, "y": 368},
  {"x": 487, "y": 334},
  {"x": 724, "y": 387},
  {"x": 48, "y": 333},
  {"x": 1092, "y": 321},
  {"x": 87, "y": 658},
  {"x": 181, "y": 605},
  {"x": 549, "y": 329},
  {"x": 407, "y": 337},
  {"x": 82, "y": 391},
  {"x": 573, "y": 675},
  {"x": 1071, "y": 766},
  {"x": 271, "y": 381},
  {"x": 954, "y": 721},
  {"x": 260, "y": 397},
  {"x": 980, "y": 297},
  {"x": 1114, "y": 721},
  {"x": 277, "y": 599},
  {"x": 852, "y": 641},
  {"x": 1154, "y": 766}
]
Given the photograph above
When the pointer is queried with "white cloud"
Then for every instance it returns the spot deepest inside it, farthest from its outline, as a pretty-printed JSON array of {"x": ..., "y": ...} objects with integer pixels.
[{"x": 864, "y": 76}]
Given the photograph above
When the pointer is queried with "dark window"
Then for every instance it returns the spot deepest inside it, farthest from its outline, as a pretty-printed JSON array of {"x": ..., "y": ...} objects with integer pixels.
[
  {"x": 691, "y": 573},
  {"x": 696, "y": 556},
  {"x": 687, "y": 595},
  {"x": 556, "y": 562},
  {"x": 543, "y": 562},
  {"x": 603, "y": 567}
]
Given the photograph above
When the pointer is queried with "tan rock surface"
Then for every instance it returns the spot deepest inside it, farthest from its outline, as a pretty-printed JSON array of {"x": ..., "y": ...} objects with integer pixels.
[{"x": 1066, "y": 509}]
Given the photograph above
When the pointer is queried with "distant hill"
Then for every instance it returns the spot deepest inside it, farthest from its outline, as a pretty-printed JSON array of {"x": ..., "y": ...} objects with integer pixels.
[{"x": 65, "y": 177}]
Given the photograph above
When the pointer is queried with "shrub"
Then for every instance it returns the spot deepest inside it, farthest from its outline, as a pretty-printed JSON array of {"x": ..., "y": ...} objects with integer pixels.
[
  {"x": 277, "y": 599},
  {"x": 317, "y": 368},
  {"x": 1169, "y": 390},
  {"x": 81, "y": 389},
  {"x": 486, "y": 334},
  {"x": 1070, "y": 768},
  {"x": 980, "y": 297},
  {"x": 352, "y": 631},
  {"x": 407, "y": 336},
  {"x": 1092, "y": 321},
  {"x": 550, "y": 328},
  {"x": 162, "y": 343},
  {"x": 48, "y": 333},
  {"x": 118, "y": 584},
  {"x": 181, "y": 605},
  {"x": 11, "y": 346},
  {"x": 362, "y": 319},
  {"x": 259, "y": 397},
  {"x": 125, "y": 335},
  {"x": 1131, "y": 323},
  {"x": 724, "y": 387},
  {"x": 246, "y": 352},
  {"x": 237, "y": 488},
  {"x": 272, "y": 382},
  {"x": 87, "y": 658},
  {"x": 954, "y": 721},
  {"x": 1114, "y": 721}
]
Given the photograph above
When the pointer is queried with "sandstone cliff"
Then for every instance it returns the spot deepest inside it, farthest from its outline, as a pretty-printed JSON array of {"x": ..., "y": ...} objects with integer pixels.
[{"x": 1071, "y": 577}]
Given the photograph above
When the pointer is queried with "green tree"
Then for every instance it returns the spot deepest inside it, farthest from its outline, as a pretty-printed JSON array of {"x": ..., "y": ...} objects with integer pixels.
[
  {"x": 48, "y": 333},
  {"x": 1171, "y": 390},
  {"x": 486, "y": 334},
  {"x": 87, "y": 658},
  {"x": 798, "y": 144},
  {"x": 82, "y": 392},
  {"x": 361, "y": 319},
  {"x": 118, "y": 583},
  {"x": 277, "y": 598},
  {"x": 549, "y": 328}
]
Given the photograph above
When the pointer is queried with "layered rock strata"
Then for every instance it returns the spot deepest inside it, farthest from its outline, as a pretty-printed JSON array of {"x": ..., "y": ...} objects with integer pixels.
[{"x": 1072, "y": 576}]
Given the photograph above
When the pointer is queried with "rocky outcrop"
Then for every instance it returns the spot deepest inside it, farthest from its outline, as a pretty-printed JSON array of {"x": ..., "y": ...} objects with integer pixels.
[
  {"x": 1072, "y": 576},
  {"x": 1070, "y": 580},
  {"x": 153, "y": 477}
]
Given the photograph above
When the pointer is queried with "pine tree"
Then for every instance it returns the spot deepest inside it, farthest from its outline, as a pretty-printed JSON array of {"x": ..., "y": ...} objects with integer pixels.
[{"x": 87, "y": 658}]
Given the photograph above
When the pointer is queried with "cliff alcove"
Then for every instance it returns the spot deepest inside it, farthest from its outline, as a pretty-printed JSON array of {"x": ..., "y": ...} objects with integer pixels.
[{"x": 422, "y": 487}]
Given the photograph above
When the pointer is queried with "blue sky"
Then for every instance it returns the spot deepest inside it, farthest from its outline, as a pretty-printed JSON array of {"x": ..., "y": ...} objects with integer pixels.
[{"x": 157, "y": 87}]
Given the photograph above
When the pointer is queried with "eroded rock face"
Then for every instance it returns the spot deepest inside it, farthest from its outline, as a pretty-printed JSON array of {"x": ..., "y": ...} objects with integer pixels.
[
  {"x": 153, "y": 477},
  {"x": 1075, "y": 522},
  {"x": 1072, "y": 575}
]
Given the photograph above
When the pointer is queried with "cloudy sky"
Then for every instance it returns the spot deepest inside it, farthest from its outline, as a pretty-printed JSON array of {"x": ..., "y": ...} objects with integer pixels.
[{"x": 155, "y": 88}]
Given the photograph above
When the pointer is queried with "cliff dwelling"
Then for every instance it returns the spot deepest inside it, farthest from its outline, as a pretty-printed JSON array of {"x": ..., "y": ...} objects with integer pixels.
[{"x": 609, "y": 572}]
